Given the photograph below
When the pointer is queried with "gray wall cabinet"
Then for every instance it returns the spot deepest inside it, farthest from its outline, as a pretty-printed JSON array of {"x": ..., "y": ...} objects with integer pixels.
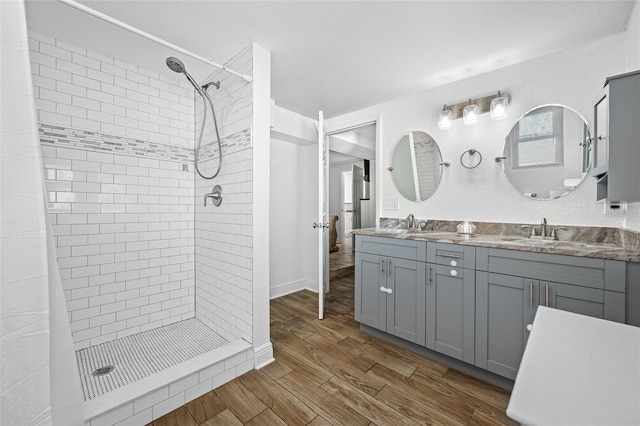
[
  {"x": 390, "y": 290},
  {"x": 474, "y": 303},
  {"x": 451, "y": 293},
  {"x": 617, "y": 139}
]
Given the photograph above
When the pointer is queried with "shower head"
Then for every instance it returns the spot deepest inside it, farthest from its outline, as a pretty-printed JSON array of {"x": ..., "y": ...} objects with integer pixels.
[{"x": 176, "y": 65}]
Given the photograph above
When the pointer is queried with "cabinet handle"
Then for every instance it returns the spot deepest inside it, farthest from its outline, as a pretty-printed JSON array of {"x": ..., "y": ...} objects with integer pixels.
[
  {"x": 386, "y": 290},
  {"x": 454, "y": 273},
  {"x": 546, "y": 294},
  {"x": 455, "y": 256},
  {"x": 429, "y": 273},
  {"x": 389, "y": 268},
  {"x": 530, "y": 293},
  {"x": 381, "y": 266}
]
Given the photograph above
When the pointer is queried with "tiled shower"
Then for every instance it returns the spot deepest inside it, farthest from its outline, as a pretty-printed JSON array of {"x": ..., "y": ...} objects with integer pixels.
[{"x": 137, "y": 249}]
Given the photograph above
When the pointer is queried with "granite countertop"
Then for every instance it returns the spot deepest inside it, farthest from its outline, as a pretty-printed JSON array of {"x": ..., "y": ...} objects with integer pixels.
[{"x": 600, "y": 250}]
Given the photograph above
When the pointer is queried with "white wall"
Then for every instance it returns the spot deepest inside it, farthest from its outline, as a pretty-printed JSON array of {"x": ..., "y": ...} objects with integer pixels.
[
  {"x": 293, "y": 205},
  {"x": 632, "y": 41},
  {"x": 571, "y": 77}
]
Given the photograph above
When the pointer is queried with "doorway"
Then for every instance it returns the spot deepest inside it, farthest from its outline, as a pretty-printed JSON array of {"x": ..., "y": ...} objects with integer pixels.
[{"x": 351, "y": 196}]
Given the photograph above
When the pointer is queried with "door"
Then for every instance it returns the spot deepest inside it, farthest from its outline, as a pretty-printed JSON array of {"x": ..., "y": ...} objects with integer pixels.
[
  {"x": 347, "y": 205},
  {"x": 357, "y": 194},
  {"x": 371, "y": 301},
  {"x": 323, "y": 216},
  {"x": 505, "y": 305},
  {"x": 451, "y": 311},
  {"x": 405, "y": 292}
]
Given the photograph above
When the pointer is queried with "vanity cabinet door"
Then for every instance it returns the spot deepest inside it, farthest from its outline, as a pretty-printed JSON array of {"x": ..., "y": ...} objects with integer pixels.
[
  {"x": 370, "y": 303},
  {"x": 451, "y": 311},
  {"x": 406, "y": 302},
  {"x": 505, "y": 305}
]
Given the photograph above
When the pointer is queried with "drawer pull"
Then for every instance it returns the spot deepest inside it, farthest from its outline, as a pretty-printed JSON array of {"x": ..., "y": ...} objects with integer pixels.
[
  {"x": 454, "y": 263},
  {"x": 530, "y": 293},
  {"x": 454, "y": 273},
  {"x": 429, "y": 273},
  {"x": 546, "y": 294},
  {"x": 455, "y": 256},
  {"x": 386, "y": 290}
]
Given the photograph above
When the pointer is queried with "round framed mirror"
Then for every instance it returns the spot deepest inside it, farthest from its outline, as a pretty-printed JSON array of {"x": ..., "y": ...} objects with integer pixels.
[
  {"x": 545, "y": 154},
  {"x": 415, "y": 166}
]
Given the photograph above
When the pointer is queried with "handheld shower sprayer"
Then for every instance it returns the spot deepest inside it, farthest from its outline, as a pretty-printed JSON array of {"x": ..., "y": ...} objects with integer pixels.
[{"x": 176, "y": 65}]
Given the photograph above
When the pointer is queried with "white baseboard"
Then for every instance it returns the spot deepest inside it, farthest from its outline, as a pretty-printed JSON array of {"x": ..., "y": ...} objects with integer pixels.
[
  {"x": 292, "y": 287},
  {"x": 263, "y": 355}
]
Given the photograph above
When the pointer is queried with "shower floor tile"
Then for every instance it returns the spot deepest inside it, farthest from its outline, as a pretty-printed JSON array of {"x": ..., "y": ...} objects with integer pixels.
[{"x": 143, "y": 354}]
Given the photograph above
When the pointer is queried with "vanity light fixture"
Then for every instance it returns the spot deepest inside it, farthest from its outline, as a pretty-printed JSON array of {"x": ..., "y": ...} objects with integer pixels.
[
  {"x": 471, "y": 109},
  {"x": 499, "y": 107},
  {"x": 445, "y": 119},
  {"x": 470, "y": 114}
]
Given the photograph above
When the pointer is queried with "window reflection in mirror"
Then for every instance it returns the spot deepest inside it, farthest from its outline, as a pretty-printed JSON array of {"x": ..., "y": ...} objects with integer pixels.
[
  {"x": 416, "y": 168},
  {"x": 546, "y": 156}
]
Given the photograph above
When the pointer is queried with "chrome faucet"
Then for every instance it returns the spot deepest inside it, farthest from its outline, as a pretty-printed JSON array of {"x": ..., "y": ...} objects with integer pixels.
[
  {"x": 543, "y": 228},
  {"x": 411, "y": 221},
  {"x": 544, "y": 231}
]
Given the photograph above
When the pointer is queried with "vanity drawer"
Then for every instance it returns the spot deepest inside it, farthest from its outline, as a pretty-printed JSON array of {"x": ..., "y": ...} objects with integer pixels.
[
  {"x": 453, "y": 255},
  {"x": 391, "y": 247},
  {"x": 581, "y": 271}
]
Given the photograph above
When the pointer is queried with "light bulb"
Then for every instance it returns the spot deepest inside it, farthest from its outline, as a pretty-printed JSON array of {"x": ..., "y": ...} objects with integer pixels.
[
  {"x": 445, "y": 119},
  {"x": 499, "y": 107},
  {"x": 470, "y": 114}
]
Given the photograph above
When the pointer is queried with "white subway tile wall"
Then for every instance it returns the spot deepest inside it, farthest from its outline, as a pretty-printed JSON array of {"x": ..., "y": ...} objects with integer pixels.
[
  {"x": 114, "y": 141},
  {"x": 125, "y": 239},
  {"x": 78, "y": 88},
  {"x": 224, "y": 264}
]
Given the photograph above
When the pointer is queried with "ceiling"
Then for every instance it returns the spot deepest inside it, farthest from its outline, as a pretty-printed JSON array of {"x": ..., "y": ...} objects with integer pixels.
[{"x": 339, "y": 56}]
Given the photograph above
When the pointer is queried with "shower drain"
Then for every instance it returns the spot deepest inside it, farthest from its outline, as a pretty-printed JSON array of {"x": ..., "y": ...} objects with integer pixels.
[{"x": 103, "y": 370}]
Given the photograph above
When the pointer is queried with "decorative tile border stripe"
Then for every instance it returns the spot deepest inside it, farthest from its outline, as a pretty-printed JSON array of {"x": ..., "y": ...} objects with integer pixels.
[
  {"x": 99, "y": 142},
  {"x": 64, "y": 137},
  {"x": 140, "y": 355},
  {"x": 233, "y": 143}
]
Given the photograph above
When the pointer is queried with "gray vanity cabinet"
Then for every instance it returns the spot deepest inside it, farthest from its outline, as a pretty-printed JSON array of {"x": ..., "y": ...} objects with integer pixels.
[
  {"x": 390, "y": 286},
  {"x": 505, "y": 305},
  {"x": 510, "y": 285},
  {"x": 451, "y": 300}
]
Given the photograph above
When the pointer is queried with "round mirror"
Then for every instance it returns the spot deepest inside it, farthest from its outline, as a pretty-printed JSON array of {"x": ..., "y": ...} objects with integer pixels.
[
  {"x": 415, "y": 166},
  {"x": 545, "y": 154}
]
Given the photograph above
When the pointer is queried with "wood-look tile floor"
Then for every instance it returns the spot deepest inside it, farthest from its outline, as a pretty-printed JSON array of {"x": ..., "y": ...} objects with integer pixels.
[
  {"x": 341, "y": 262},
  {"x": 328, "y": 372}
]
